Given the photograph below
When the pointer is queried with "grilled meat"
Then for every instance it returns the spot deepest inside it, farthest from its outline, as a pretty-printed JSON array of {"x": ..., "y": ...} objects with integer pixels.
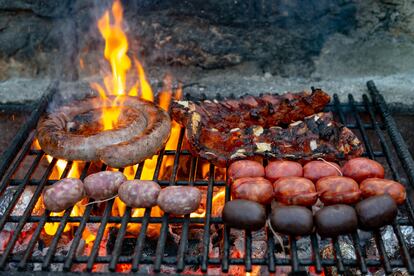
[
  {"x": 144, "y": 135},
  {"x": 316, "y": 136},
  {"x": 269, "y": 125},
  {"x": 266, "y": 110}
]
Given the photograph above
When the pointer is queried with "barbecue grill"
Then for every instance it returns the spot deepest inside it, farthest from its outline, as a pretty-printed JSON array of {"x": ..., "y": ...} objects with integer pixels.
[{"x": 370, "y": 119}]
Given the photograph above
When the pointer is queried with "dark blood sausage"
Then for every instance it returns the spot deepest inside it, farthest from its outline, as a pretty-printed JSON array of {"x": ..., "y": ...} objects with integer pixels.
[
  {"x": 256, "y": 189},
  {"x": 245, "y": 168},
  {"x": 143, "y": 137},
  {"x": 378, "y": 186},
  {"x": 335, "y": 220},
  {"x": 139, "y": 193},
  {"x": 179, "y": 200},
  {"x": 63, "y": 194},
  {"x": 292, "y": 220},
  {"x": 361, "y": 168},
  {"x": 103, "y": 185},
  {"x": 282, "y": 168},
  {"x": 376, "y": 211},
  {"x": 338, "y": 189},
  {"x": 315, "y": 170},
  {"x": 295, "y": 190},
  {"x": 244, "y": 214}
]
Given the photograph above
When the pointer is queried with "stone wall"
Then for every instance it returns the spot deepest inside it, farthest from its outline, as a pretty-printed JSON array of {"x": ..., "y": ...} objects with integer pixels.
[{"x": 198, "y": 39}]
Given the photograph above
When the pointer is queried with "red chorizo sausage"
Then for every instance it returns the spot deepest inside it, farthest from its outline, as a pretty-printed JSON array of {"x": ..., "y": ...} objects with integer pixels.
[
  {"x": 245, "y": 168},
  {"x": 295, "y": 190},
  {"x": 361, "y": 168},
  {"x": 338, "y": 189},
  {"x": 315, "y": 170},
  {"x": 282, "y": 168},
  {"x": 256, "y": 189},
  {"x": 378, "y": 186}
]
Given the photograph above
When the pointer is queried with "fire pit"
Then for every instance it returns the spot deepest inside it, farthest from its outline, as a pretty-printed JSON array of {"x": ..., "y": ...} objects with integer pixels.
[{"x": 108, "y": 236}]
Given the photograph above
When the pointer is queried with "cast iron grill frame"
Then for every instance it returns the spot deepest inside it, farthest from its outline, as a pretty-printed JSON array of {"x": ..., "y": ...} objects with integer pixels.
[{"x": 21, "y": 146}]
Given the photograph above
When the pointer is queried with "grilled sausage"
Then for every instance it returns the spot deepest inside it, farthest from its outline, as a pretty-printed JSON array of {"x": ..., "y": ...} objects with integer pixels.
[
  {"x": 338, "y": 189},
  {"x": 292, "y": 220},
  {"x": 335, "y": 220},
  {"x": 139, "y": 140},
  {"x": 63, "y": 194},
  {"x": 378, "y": 186},
  {"x": 244, "y": 214},
  {"x": 315, "y": 170},
  {"x": 179, "y": 200},
  {"x": 361, "y": 168},
  {"x": 295, "y": 190},
  {"x": 103, "y": 185},
  {"x": 376, "y": 211},
  {"x": 282, "y": 168},
  {"x": 139, "y": 193},
  {"x": 256, "y": 189},
  {"x": 245, "y": 168}
]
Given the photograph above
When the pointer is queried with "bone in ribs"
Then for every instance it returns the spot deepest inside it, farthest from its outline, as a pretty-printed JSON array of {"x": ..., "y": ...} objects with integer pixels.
[{"x": 222, "y": 132}]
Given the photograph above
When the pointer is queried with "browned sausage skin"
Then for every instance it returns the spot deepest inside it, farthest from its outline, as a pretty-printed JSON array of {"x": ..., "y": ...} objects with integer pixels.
[
  {"x": 362, "y": 168},
  {"x": 245, "y": 168},
  {"x": 143, "y": 138},
  {"x": 283, "y": 168},
  {"x": 315, "y": 170},
  {"x": 338, "y": 189},
  {"x": 378, "y": 186},
  {"x": 295, "y": 190},
  {"x": 256, "y": 189}
]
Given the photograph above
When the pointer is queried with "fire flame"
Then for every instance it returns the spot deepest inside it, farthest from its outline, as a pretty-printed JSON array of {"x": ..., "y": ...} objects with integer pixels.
[
  {"x": 113, "y": 88},
  {"x": 116, "y": 48}
]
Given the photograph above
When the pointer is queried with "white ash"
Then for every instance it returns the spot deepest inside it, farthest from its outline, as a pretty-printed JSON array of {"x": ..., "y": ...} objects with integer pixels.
[
  {"x": 20, "y": 206},
  {"x": 391, "y": 243}
]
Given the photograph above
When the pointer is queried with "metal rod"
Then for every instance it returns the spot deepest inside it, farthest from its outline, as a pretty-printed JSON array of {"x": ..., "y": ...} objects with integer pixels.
[
  {"x": 22, "y": 134},
  {"x": 395, "y": 135},
  {"x": 184, "y": 235},
  {"x": 164, "y": 226},
  {"x": 206, "y": 237}
]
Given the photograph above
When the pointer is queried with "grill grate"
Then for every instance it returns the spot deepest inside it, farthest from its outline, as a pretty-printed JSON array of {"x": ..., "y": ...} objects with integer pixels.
[{"x": 370, "y": 119}]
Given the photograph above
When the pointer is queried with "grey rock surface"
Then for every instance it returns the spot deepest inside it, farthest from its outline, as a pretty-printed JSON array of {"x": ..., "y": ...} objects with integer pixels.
[{"x": 213, "y": 46}]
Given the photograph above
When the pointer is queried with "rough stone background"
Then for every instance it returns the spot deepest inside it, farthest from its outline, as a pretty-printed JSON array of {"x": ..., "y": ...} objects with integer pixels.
[{"x": 214, "y": 46}]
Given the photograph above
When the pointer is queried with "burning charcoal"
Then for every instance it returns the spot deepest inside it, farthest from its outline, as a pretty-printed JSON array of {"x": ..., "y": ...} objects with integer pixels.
[
  {"x": 150, "y": 245},
  {"x": 347, "y": 252},
  {"x": 304, "y": 247},
  {"x": 20, "y": 206},
  {"x": 62, "y": 250},
  {"x": 392, "y": 247}
]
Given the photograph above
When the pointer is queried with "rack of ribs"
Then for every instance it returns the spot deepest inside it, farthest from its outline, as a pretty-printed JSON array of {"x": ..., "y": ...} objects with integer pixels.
[{"x": 289, "y": 126}]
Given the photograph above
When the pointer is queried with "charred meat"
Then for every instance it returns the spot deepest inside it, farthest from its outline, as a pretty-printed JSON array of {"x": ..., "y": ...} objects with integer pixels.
[
  {"x": 267, "y": 110},
  {"x": 317, "y": 136}
]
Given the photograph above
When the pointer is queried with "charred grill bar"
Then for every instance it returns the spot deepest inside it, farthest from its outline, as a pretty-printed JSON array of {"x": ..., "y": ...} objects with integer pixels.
[{"x": 370, "y": 116}]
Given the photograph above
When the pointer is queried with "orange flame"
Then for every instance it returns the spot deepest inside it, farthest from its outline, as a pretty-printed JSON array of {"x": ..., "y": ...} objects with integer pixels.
[
  {"x": 115, "y": 84},
  {"x": 116, "y": 48},
  {"x": 217, "y": 203}
]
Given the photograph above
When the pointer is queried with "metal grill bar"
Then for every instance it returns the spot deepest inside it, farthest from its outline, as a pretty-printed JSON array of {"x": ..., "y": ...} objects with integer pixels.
[{"x": 182, "y": 259}]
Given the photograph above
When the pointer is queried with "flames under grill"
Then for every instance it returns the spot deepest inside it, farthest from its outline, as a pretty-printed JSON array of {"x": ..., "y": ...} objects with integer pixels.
[{"x": 370, "y": 119}]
